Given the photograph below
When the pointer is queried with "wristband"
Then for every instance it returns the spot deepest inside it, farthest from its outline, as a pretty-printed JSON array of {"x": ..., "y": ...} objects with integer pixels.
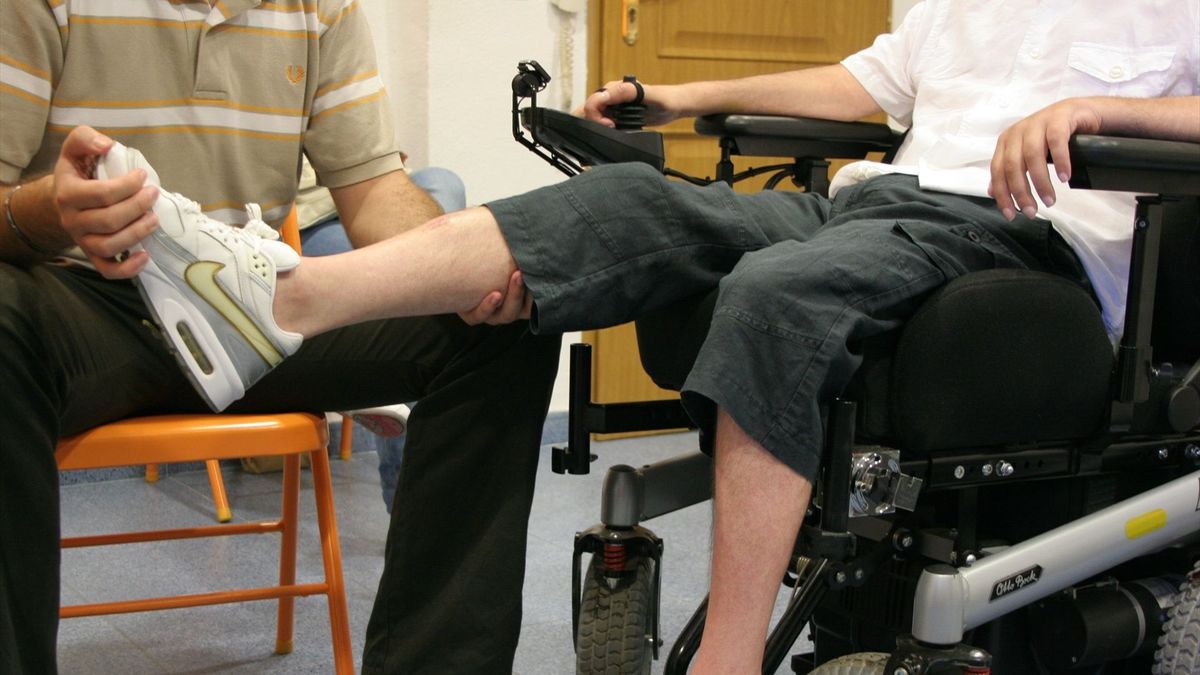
[{"x": 12, "y": 223}]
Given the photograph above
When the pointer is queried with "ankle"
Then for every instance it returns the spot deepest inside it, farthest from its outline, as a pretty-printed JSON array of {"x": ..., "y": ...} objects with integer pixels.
[
  {"x": 724, "y": 662},
  {"x": 288, "y": 305}
]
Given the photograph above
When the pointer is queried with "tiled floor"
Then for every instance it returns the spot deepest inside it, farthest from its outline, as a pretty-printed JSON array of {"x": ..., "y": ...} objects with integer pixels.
[{"x": 240, "y": 638}]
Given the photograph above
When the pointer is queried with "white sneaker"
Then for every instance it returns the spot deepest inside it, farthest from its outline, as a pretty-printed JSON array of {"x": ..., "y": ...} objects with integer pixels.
[
  {"x": 388, "y": 421},
  {"x": 210, "y": 287}
]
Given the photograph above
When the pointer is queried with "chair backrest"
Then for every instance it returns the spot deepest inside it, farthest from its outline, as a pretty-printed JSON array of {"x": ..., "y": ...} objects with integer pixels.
[
  {"x": 289, "y": 231},
  {"x": 1176, "y": 332}
]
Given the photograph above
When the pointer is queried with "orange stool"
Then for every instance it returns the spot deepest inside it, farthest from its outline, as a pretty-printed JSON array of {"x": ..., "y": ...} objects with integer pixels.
[{"x": 189, "y": 438}]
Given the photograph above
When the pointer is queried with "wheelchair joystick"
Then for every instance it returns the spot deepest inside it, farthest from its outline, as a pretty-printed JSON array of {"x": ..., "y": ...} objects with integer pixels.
[{"x": 631, "y": 116}]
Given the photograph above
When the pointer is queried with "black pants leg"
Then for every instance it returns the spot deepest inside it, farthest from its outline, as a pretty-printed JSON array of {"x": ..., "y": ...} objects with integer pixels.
[{"x": 77, "y": 351}]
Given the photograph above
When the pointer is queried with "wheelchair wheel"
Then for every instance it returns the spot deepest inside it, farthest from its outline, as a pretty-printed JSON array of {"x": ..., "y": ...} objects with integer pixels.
[
  {"x": 865, "y": 663},
  {"x": 1179, "y": 646},
  {"x": 614, "y": 623}
]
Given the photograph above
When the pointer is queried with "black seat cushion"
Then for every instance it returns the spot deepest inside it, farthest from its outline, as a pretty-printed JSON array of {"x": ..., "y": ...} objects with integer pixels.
[
  {"x": 669, "y": 339},
  {"x": 994, "y": 358},
  {"x": 998, "y": 358}
]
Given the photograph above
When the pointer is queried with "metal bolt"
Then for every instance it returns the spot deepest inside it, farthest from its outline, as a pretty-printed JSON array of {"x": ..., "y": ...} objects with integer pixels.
[
  {"x": 1004, "y": 469},
  {"x": 859, "y": 574},
  {"x": 840, "y": 577},
  {"x": 960, "y": 471},
  {"x": 900, "y": 671},
  {"x": 906, "y": 541},
  {"x": 970, "y": 559},
  {"x": 986, "y": 469},
  {"x": 1192, "y": 451},
  {"x": 1163, "y": 453},
  {"x": 976, "y": 654}
]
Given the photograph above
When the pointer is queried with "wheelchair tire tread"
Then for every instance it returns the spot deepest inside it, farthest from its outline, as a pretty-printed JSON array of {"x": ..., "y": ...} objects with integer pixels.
[
  {"x": 1179, "y": 645},
  {"x": 864, "y": 663},
  {"x": 613, "y": 624}
]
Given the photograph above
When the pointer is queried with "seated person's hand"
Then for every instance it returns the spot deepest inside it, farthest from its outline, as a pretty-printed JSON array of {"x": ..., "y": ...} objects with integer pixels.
[
  {"x": 1021, "y": 152},
  {"x": 657, "y": 99},
  {"x": 103, "y": 217},
  {"x": 502, "y": 307}
]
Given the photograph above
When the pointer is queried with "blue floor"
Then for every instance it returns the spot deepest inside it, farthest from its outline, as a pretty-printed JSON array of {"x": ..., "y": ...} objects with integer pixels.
[{"x": 240, "y": 638}]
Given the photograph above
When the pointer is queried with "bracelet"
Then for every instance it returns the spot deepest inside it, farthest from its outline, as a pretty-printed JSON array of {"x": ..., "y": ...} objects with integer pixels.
[{"x": 12, "y": 223}]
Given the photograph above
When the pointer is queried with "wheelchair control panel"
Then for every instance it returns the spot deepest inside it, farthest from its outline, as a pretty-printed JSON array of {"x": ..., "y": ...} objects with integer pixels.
[{"x": 570, "y": 143}]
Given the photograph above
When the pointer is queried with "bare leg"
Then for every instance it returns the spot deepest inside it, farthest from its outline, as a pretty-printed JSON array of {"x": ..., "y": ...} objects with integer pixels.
[
  {"x": 758, "y": 505},
  {"x": 446, "y": 265}
]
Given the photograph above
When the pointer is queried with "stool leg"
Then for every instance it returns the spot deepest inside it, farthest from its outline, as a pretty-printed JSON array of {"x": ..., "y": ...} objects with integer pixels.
[
  {"x": 151, "y": 473},
  {"x": 287, "y": 552},
  {"x": 339, "y": 615},
  {"x": 224, "y": 513},
  {"x": 347, "y": 438}
]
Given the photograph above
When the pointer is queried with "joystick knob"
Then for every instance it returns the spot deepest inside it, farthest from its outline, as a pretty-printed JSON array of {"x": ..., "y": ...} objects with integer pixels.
[{"x": 632, "y": 115}]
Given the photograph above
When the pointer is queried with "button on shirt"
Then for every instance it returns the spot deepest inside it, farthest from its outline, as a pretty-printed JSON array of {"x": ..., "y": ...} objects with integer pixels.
[{"x": 959, "y": 72}]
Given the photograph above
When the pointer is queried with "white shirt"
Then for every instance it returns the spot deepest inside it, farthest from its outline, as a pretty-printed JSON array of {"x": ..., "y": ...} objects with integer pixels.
[{"x": 959, "y": 72}]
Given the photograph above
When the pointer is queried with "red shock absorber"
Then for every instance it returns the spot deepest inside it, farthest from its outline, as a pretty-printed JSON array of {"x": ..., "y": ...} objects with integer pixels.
[
  {"x": 614, "y": 557},
  {"x": 983, "y": 670}
]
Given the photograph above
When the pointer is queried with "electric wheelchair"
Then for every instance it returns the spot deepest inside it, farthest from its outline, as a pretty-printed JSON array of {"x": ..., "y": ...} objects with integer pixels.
[{"x": 999, "y": 491}]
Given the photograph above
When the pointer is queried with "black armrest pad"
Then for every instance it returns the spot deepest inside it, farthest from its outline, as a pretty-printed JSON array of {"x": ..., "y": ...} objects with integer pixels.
[
  {"x": 591, "y": 143},
  {"x": 773, "y": 136},
  {"x": 1135, "y": 165}
]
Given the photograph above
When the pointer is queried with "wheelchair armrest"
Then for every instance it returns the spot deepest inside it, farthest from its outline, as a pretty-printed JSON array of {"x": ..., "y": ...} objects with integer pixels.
[
  {"x": 591, "y": 143},
  {"x": 773, "y": 136},
  {"x": 1135, "y": 165}
]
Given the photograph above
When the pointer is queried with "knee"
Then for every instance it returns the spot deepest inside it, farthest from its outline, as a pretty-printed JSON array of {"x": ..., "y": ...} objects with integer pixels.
[{"x": 632, "y": 171}]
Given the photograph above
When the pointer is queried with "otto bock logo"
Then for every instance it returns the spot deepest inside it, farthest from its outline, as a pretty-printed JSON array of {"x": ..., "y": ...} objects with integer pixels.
[{"x": 1016, "y": 582}]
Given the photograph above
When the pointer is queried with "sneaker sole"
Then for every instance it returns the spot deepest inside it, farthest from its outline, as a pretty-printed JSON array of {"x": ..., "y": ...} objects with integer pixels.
[
  {"x": 381, "y": 425},
  {"x": 190, "y": 339}
]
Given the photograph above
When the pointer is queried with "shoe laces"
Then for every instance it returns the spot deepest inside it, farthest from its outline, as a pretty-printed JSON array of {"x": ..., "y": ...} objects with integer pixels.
[
  {"x": 252, "y": 233},
  {"x": 256, "y": 226}
]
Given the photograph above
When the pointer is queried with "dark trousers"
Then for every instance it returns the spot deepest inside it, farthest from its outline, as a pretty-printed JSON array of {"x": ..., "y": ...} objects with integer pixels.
[
  {"x": 77, "y": 351},
  {"x": 800, "y": 278}
]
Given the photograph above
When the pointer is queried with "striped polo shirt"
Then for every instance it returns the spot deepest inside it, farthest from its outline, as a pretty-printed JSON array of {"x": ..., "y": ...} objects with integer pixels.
[{"x": 222, "y": 98}]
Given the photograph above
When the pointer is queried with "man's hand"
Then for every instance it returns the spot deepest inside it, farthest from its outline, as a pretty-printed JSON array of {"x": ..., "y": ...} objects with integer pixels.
[
  {"x": 501, "y": 308},
  {"x": 657, "y": 99},
  {"x": 104, "y": 217},
  {"x": 1021, "y": 152}
]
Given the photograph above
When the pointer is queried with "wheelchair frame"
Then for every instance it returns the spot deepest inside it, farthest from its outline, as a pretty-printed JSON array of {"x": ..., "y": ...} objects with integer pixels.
[{"x": 949, "y": 600}]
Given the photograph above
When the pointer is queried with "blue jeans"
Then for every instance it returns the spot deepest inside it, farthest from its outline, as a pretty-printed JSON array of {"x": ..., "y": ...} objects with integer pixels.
[
  {"x": 329, "y": 237},
  {"x": 443, "y": 185}
]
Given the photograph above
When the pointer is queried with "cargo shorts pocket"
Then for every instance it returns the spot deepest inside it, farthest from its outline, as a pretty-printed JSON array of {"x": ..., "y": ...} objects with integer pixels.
[{"x": 954, "y": 250}]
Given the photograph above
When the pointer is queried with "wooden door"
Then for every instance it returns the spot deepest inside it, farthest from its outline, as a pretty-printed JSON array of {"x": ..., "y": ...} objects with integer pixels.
[{"x": 671, "y": 41}]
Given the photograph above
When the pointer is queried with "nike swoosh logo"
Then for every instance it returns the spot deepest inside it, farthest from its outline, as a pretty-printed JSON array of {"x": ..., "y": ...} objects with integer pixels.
[{"x": 202, "y": 277}]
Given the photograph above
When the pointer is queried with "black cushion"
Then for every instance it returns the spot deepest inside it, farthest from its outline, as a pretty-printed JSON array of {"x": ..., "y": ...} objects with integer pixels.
[
  {"x": 669, "y": 339},
  {"x": 998, "y": 358},
  {"x": 994, "y": 358}
]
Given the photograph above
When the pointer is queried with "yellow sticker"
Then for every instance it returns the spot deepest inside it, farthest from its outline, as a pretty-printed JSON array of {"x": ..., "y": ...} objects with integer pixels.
[{"x": 1146, "y": 523}]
